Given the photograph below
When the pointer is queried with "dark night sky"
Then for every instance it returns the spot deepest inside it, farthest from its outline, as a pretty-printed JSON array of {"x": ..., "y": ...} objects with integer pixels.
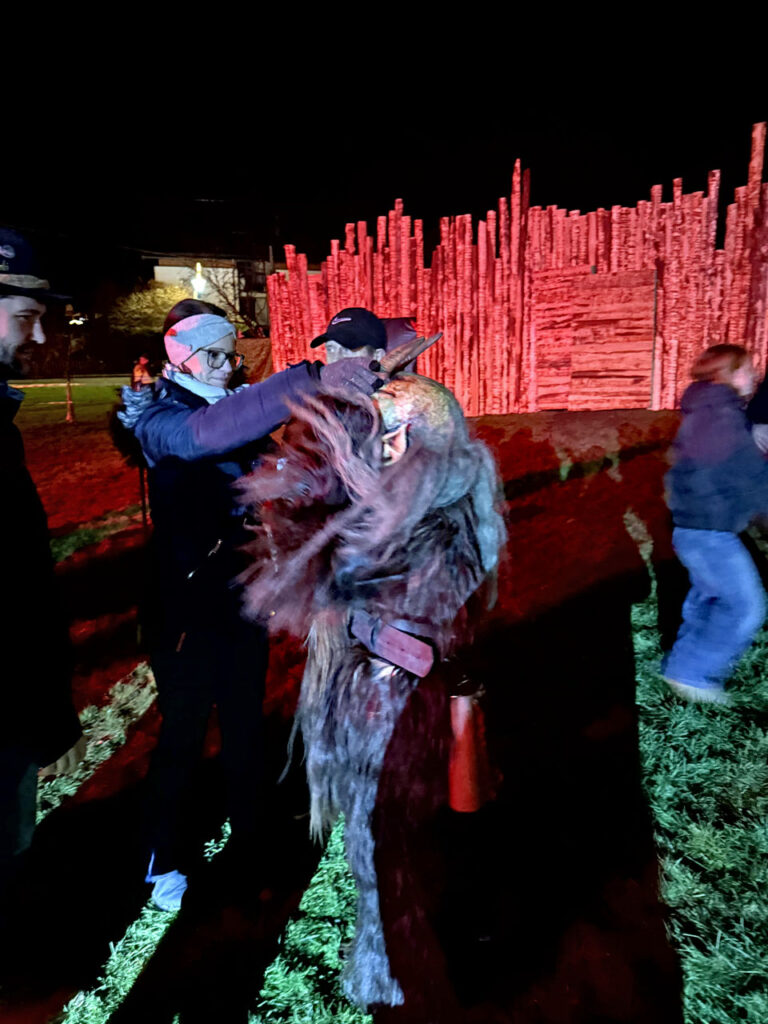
[{"x": 97, "y": 186}]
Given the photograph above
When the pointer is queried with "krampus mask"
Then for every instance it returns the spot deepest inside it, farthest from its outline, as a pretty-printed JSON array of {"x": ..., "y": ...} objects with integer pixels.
[{"x": 381, "y": 510}]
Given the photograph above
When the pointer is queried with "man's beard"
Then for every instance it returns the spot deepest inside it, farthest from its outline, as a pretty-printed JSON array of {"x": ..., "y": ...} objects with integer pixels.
[{"x": 21, "y": 361}]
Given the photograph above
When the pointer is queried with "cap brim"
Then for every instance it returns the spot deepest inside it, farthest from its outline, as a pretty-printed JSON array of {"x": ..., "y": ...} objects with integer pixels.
[
  {"x": 39, "y": 294},
  {"x": 319, "y": 340}
]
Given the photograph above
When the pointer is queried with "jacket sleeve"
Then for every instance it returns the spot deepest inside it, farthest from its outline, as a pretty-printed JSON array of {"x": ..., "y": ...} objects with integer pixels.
[
  {"x": 248, "y": 415},
  {"x": 746, "y": 470},
  {"x": 725, "y": 445}
]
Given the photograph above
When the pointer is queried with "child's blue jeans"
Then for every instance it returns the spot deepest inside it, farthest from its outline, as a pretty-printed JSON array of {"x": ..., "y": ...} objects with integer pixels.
[{"x": 723, "y": 611}]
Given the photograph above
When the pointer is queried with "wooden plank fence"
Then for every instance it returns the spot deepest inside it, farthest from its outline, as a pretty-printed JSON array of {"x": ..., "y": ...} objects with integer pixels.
[{"x": 546, "y": 308}]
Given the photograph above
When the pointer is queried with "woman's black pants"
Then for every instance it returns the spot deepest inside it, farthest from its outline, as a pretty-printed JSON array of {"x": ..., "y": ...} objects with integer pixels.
[{"x": 225, "y": 667}]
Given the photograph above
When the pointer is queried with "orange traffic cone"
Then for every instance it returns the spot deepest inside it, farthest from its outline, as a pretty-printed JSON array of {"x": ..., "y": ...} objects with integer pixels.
[{"x": 469, "y": 783}]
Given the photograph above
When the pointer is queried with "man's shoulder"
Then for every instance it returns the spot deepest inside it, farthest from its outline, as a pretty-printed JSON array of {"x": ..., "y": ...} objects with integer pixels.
[
  {"x": 11, "y": 442},
  {"x": 10, "y": 401}
]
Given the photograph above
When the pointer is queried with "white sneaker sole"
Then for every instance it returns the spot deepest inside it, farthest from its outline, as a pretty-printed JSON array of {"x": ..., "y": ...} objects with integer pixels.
[{"x": 698, "y": 694}]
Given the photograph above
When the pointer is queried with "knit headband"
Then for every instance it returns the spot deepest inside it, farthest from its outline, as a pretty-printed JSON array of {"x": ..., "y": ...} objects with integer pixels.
[{"x": 193, "y": 333}]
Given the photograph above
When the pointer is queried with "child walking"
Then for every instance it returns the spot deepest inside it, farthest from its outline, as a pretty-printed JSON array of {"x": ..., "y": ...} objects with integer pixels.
[{"x": 717, "y": 485}]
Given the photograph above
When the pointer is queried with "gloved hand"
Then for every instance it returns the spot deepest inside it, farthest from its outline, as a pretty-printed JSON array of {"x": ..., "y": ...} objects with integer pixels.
[
  {"x": 135, "y": 405},
  {"x": 352, "y": 373}
]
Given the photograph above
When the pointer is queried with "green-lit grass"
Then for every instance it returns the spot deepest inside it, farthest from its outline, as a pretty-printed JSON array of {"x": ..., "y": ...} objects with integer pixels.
[
  {"x": 93, "y": 532},
  {"x": 127, "y": 958},
  {"x": 93, "y": 400},
  {"x": 106, "y": 728},
  {"x": 301, "y": 985},
  {"x": 706, "y": 776}
]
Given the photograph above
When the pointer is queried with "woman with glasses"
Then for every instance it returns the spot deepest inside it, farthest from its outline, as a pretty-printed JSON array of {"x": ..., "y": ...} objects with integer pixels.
[{"x": 198, "y": 437}]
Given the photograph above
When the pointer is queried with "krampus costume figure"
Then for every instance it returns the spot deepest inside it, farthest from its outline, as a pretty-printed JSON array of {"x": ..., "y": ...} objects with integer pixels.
[{"x": 378, "y": 521}]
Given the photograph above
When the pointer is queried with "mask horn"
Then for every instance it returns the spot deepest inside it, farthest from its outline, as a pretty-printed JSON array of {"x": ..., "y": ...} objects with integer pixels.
[{"x": 394, "y": 361}]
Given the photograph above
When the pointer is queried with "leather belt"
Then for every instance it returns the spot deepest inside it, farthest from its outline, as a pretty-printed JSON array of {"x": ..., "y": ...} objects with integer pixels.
[{"x": 391, "y": 644}]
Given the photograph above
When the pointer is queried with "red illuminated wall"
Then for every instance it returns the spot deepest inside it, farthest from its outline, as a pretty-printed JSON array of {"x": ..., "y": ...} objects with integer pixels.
[{"x": 552, "y": 308}]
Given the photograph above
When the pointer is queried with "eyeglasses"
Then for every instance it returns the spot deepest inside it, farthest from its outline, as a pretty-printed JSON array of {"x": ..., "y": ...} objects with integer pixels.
[{"x": 217, "y": 357}]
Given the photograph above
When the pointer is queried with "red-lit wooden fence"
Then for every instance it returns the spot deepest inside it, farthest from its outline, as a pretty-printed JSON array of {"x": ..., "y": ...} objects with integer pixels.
[{"x": 552, "y": 308}]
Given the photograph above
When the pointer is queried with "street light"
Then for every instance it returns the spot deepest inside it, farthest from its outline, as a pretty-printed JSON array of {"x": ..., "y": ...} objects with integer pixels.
[{"x": 198, "y": 282}]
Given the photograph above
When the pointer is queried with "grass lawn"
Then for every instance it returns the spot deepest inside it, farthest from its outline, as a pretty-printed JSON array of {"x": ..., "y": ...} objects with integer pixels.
[
  {"x": 300, "y": 986},
  {"x": 705, "y": 771},
  {"x": 45, "y": 400}
]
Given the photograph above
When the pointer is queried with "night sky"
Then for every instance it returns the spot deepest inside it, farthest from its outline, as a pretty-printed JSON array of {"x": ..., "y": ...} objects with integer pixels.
[{"x": 95, "y": 191}]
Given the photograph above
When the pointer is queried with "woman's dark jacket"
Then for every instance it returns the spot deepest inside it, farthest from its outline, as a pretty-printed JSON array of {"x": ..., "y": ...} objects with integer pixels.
[
  {"x": 195, "y": 452},
  {"x": 37, "y": 711},
  {"x": 719, "y": 479}
]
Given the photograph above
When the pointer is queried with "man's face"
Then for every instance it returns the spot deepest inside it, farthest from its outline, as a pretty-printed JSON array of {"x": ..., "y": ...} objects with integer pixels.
[
  {"x": 334, "y": 351},
  {"x": 20, "y": 329}
]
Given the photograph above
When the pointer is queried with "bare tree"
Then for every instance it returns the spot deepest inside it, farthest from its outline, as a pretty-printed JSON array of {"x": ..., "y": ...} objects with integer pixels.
[{"x": 257, "y": 350}]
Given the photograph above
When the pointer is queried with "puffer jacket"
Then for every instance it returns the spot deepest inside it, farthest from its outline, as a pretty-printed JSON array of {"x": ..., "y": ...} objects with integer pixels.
[
  {"x": 719, "y": 479},
  {"x": 195, "y": 451}
]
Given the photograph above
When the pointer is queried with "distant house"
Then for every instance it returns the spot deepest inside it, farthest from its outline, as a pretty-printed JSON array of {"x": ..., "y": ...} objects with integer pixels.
[{"x": 238, "y": 286}]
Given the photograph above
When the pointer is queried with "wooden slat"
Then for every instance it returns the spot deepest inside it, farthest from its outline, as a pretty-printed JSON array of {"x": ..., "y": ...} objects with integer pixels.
[{"x": 612, "y": 341}]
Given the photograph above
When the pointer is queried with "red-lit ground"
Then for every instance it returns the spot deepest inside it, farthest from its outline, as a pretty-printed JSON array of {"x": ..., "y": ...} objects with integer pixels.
[
  {"x": 79, "y": 473},
  {"x": 551, "y": 914}
]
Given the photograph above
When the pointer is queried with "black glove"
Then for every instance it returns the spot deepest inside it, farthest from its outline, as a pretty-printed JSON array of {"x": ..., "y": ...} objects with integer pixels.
[{"x": 350, "y": 374}]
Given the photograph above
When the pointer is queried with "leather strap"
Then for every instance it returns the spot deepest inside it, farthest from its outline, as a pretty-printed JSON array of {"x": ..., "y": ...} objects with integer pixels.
[{"x": 392, "y": 644}]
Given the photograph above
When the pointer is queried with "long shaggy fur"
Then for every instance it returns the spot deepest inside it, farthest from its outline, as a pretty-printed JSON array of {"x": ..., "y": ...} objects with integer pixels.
[{"x": 339, "y": 531}]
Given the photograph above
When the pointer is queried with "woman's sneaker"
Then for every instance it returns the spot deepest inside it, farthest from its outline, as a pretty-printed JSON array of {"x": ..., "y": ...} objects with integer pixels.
[
  {"x": 168, "y": 888},
  {"x": 699, "y": 694}
]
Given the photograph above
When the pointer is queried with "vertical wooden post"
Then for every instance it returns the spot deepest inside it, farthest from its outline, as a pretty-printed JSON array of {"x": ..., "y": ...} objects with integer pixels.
[{"x": 70, "y": 418}]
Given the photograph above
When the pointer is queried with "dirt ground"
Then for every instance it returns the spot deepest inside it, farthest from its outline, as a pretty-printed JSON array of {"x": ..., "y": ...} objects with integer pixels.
[
  {"x": 569, "y": 478},
  {"x": 79, "y": 474}
]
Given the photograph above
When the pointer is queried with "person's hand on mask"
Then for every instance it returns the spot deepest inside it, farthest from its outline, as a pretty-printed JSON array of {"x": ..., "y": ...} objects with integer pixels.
[{"x": 353, "y": 373}]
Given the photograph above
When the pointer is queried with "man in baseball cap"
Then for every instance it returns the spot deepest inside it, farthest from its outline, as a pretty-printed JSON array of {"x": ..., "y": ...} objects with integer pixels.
[
  {"x": 24, "y": 293},
  {"x": 353, "y": 332},
  {"x": 39, "y": 729}
]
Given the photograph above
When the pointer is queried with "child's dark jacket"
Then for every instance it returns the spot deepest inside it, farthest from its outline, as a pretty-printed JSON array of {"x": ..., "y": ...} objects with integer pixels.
[{"x": 719, "y": 480}]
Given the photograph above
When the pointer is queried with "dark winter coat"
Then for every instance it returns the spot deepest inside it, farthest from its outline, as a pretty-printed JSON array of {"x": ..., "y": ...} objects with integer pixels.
[
  {"x": 195, "y": 452},
  {"x": 719, "y": 479},
  {"x": 37, "y": 710}
]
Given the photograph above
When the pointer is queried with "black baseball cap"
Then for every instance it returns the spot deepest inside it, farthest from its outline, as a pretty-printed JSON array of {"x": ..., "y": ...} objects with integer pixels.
[
  {"x": 20, "y": 273},
  {"x": 353, "y": 328}
]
